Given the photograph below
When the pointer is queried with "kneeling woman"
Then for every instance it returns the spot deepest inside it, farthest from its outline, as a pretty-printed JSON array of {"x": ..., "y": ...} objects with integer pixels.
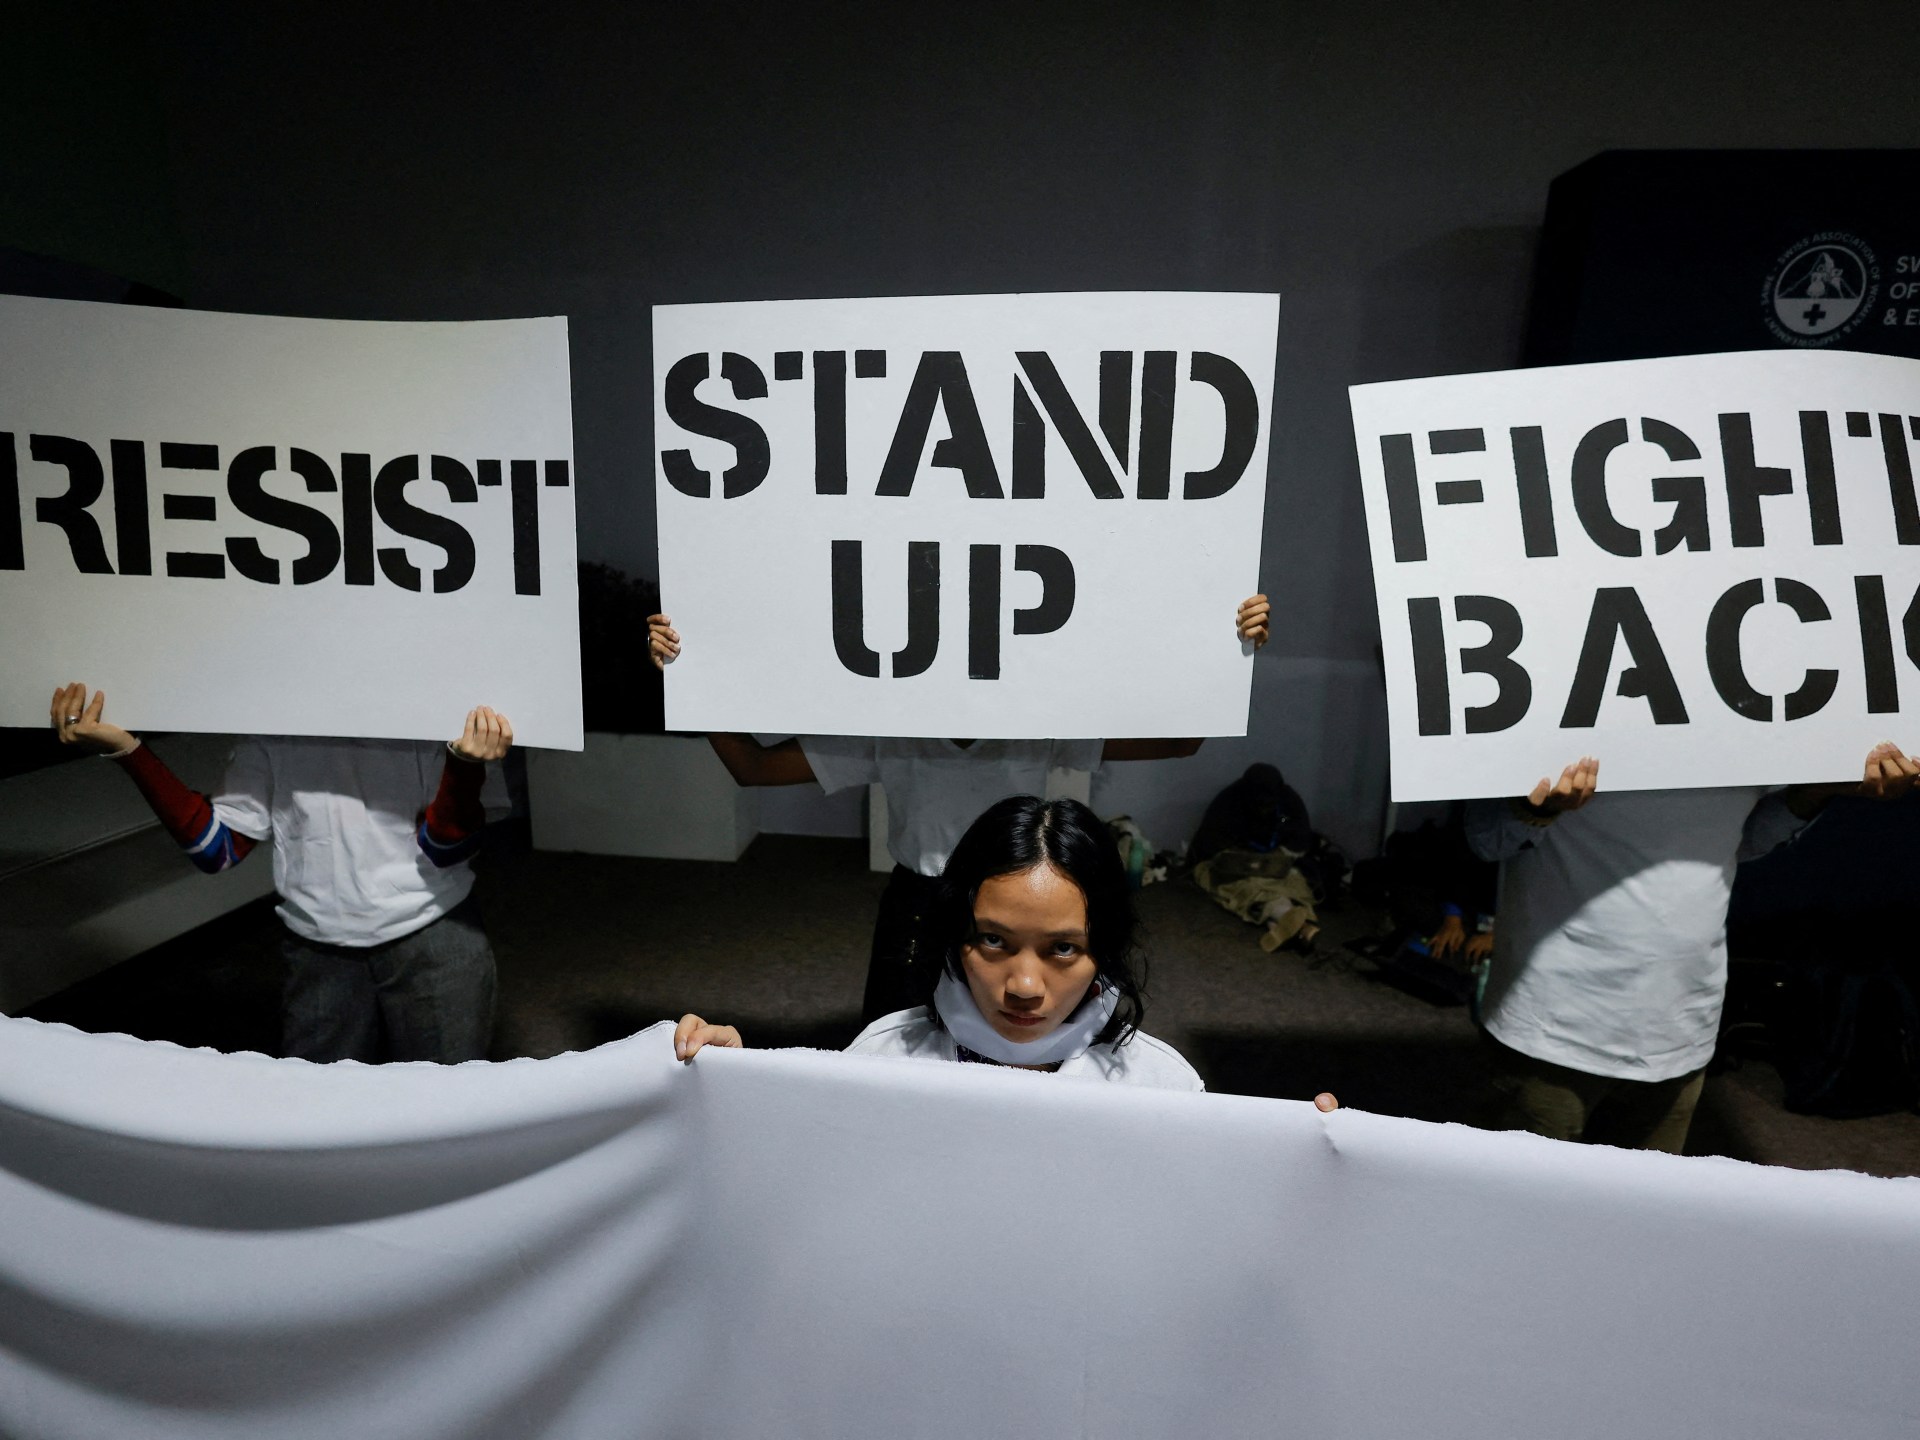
[{"x": 1037, "y": 924}]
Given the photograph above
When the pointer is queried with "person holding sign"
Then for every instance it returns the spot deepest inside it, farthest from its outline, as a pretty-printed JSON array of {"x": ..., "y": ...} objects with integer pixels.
[
  {"x": 1603, "y": 996},
  {"x": 934, "y": 790},
  {"x": 387, "y": 958},
  {"x": 1033, "y": 923}
]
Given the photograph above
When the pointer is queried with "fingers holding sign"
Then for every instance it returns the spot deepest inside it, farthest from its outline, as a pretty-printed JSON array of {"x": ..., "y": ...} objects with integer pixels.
[
  {"x": 1252, "y": 620},
  {"x": 693, "y": 1033},
  {"x": 78, "y": 722},
  {"x": 1573, "y": 789},
  {"x": 487, "y": 736},
  {"x": 663, "y": 641},
  {"x": 1889, "y": 772}
]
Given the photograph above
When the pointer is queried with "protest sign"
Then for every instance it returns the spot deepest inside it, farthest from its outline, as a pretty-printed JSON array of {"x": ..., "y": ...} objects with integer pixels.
[
  {"x": 1700, "y": 570},
  {"x": 991, "y": 516},
  {"x": 268, "y": 525}
]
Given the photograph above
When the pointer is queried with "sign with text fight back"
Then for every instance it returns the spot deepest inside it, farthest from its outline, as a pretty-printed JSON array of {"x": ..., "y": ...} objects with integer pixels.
[
  {"x": 989, "y": 515},
  {"x": 311, "y": 527},
  {"x": 1703, "y": 571}
]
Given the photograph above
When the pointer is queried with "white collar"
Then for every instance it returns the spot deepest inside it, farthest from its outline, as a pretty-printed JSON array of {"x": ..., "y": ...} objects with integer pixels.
[{"x": 962, "y": 1017}]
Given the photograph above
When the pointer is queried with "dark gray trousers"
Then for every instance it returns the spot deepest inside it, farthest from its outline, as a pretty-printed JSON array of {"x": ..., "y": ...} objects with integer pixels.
[{"x": 425, "y": 996}]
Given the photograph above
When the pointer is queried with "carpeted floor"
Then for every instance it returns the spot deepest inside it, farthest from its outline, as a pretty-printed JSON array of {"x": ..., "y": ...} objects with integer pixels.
[{"x": 592, "y": 948}]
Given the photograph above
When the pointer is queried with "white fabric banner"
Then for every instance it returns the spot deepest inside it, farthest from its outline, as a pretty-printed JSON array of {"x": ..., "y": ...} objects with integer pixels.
[
  {"x": 800, "y": 1244},
  {"x": 973, "y": 515},
  {"x": 255, "y": 524},
  {"x": 1701, "y": 571}
]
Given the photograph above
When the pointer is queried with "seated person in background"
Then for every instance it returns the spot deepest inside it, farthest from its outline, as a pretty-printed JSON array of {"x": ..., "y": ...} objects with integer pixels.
[
  {"x": 1603, "y": 994},
  {"x": 387, "y": 958},
  {"x": 934, "y": 789},
  {"x": 1036, "y": 931}
]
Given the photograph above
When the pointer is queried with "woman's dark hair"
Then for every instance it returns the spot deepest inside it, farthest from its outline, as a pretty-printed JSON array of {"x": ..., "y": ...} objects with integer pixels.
[{"x": 1019, "y": 833}]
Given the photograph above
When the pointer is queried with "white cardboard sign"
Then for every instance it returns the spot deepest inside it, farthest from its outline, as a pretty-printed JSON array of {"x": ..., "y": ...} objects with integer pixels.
[
  {"x": 305, "y": 527},
  {"x": 1700, "y": 570},
  {"x": 989, "y": 515}
]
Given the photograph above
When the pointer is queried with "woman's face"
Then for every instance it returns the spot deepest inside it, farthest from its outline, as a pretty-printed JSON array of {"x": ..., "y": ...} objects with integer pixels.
[{"x": 1027, "y": 962}]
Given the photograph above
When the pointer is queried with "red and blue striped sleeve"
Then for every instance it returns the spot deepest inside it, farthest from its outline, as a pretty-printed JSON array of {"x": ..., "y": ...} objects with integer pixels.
[{"x": 187, "y": 815}]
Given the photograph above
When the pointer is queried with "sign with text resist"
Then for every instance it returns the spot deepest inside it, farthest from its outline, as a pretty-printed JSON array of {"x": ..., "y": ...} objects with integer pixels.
[
  {"x": 1704, "y": 571},
  {"x": 308, "y": 527},
  {"x": 992, "y": 516}
]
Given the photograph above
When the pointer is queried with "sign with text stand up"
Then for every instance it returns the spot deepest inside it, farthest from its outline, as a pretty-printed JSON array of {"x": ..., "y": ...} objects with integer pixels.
[
  {"x": 1701, "y": 570},
  {"x": 248, "y": 523},
  {"x": 988, "y": 516}
]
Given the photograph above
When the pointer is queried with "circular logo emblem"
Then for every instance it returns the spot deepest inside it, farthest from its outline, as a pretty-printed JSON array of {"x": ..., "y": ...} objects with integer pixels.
[{"x": 1821, "y": 288}]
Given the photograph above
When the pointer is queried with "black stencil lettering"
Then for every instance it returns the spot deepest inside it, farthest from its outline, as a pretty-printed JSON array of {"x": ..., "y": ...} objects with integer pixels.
[
  {"x": 869, "y": 364},
  {"x": 1157, "y": 376},
  {"x": 1433, "y": 703},
  {"x": 403, "y": 517},
  {"x": 68, "y": 511},
  {"x": 12, "y": 541},
  {"x": 524, "y": 501},
  {"x": 132, "y": 526},
  {"x": 1029, "y": 478},
  {"x": 1876, "y": 645},
  {"x": 1747, "y": 483},
  {"x": 1116, "y": 400},
  {"x": 1910, "y": 628},
  {"x": 252, "y": 499},
  {"x": 1069, "y": 424},
  {"x": 1536, "y": 492},
  {"x": 1618, "y": 616},
  {"x": 1817, "y": 688},
  {"x": 356, "y": 517},
  {"x": 1458, "y": 492},
  {"x": 849, "y": 612},
  {"x": 486, "y": 472},
  {"x": 1056, "y": 589},
  {"x": 1687, "y": 522},
  {"x": 1723, "y": 651},
  {"x": 752, "y": 457},
  {"x": 941, "y": 380},
  {"x": 1859, "y": 424},
  {"x": 195, "y": 565},
  {"x": 1823, "y": 500},
  {"x": 1495, "y": 658},
  {"x": 189, "y": 507},
  {"x": 1590, "y": 489},
  {"x": 983, "y": 612},
  {"x": 1456, "y": 442},
  {"x": 1403, "y": 504},
  {"x": 829, "y": 422},
  {"x": 1243, "y": 425},
  {"x": 786, "y": 365},
  {"x": 559, "y": 474},
  {"x": 923, "y": 611},
  {"x": 177, "y": 455},
  {"x": 1906, "y": 513}
]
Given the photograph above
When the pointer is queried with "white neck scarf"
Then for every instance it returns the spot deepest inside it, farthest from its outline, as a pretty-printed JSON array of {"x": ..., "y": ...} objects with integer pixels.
[{"x": 1071, "y": 1037}]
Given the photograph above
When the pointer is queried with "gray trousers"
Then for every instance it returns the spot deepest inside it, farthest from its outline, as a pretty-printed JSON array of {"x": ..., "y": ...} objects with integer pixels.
[{"x": 425, "y": 996}]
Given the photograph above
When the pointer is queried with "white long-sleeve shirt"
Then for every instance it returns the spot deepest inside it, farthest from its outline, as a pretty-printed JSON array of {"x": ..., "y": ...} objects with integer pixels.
[{"x": 1611, "y": 952}]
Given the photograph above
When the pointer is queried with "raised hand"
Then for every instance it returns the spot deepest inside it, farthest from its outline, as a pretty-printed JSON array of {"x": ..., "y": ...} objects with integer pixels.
[
  {"x": 1889, "y": 773},
  {"x": 1573, "y": 789},
  {"x": 1251, "y": 620},
  {"x": 692, "y": 1033},
  {"x": 78, "y": 723},
  {"x": 663, "y": 641},
  {"x": 487, "y": 736}
]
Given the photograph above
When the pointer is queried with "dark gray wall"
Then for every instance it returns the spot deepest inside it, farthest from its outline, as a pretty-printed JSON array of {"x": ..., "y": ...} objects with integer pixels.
[{"x": 1383, "y": 166}]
